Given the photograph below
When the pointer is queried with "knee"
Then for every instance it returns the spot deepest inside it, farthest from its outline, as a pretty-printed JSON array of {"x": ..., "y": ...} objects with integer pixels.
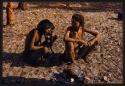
[{"x": 43, "y": 50}]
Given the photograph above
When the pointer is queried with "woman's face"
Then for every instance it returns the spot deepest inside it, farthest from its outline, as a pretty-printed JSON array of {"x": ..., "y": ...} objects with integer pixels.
[
  {"x": 75, "y": 24},
  {"x": 48, "y": 31}
]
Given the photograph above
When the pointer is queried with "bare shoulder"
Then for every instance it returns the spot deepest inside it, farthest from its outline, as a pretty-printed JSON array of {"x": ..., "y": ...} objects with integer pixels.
[
  {"x": 35, "y": 32},
  {"x": 69, "y": 28},
  {"x": 68, "y": 31}
]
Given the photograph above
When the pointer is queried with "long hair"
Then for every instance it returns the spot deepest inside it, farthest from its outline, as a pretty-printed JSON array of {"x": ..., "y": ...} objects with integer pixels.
[
  {"x": 79, "y": 18},
  {"x": 45, "y": 24}
]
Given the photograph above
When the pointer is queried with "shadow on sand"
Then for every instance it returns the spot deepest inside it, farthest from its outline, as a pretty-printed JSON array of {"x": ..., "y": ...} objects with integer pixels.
[
  {"x": 17, "y": 60},
  {"x": 21, "y": 80}
]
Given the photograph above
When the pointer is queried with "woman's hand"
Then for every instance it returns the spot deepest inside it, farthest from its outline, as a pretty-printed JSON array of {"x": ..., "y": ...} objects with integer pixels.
[
  {"x": 91, "y": 43},
  {"x": 83, "y": 42}
]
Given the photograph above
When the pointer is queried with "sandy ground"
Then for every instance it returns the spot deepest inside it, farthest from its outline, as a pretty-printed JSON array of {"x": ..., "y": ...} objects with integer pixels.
[{"x": 105, "y": 62}]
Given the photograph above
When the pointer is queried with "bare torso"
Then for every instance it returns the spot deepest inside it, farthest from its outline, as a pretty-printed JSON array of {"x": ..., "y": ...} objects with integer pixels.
[
  {"x": 29, "y": 40},
  {"x": 76, "y": 35},
  {"x": 37, "y": 39}
]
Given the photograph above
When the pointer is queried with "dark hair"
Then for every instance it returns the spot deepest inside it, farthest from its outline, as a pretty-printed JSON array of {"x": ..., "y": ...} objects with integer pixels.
[
  {"x": 45, "y": 24},
  {"x": 79, "y": 18}
]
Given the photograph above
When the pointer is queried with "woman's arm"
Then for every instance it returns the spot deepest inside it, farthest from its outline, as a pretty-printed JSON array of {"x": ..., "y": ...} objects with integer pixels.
[
  {"x": 95, "y": 33},
  {"x": 33, "y": 47}
]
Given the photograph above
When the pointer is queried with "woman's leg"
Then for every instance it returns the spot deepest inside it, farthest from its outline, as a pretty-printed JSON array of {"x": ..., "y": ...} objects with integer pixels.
[
  {"x": 70, "y": 51},
  {"x": 37, "y": 55}
]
